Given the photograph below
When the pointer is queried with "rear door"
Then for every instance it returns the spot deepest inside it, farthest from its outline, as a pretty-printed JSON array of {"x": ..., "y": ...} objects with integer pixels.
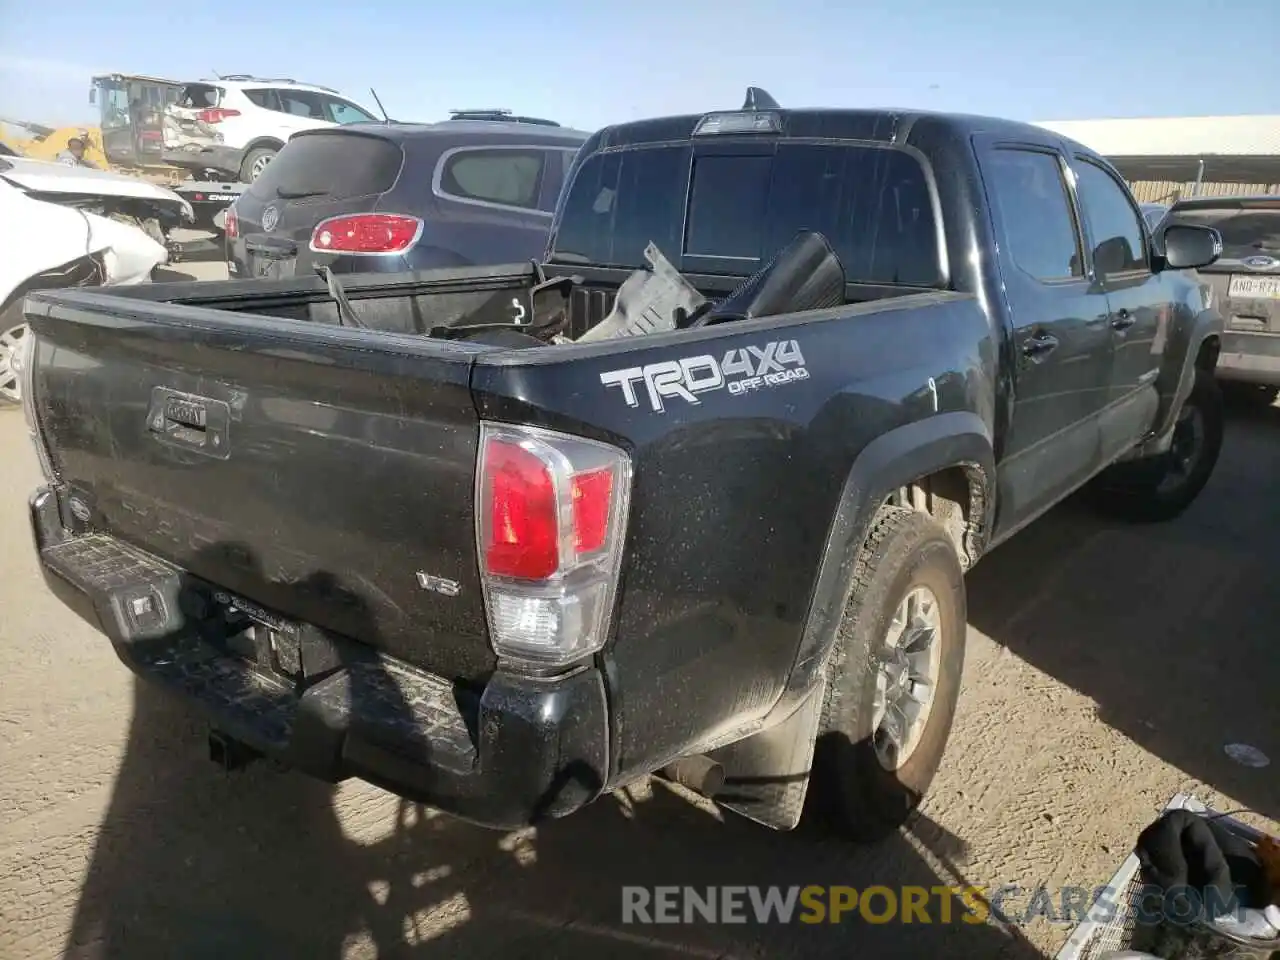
[
  {"x": 1246, "y": 278},
  {"x": 1062, "y": 343},
  {"x": 317, "y": 175}
]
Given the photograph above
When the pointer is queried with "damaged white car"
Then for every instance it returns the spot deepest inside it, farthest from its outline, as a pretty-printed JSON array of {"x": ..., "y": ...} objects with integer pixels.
[
  {"x": 59, "y": 246},
  {"x": 147, "y": 206}
]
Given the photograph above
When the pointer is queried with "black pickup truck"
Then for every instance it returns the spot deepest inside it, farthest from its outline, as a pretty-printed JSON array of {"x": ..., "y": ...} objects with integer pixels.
[{"x": 396, "y": 530}]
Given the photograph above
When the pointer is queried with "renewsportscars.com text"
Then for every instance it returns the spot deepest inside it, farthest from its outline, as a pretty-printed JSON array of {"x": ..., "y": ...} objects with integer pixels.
[{"x": 1009, "y": 904}]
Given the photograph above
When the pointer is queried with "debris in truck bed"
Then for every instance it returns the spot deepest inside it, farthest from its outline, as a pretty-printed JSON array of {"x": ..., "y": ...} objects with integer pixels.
[{"x": 647, "y": 301}]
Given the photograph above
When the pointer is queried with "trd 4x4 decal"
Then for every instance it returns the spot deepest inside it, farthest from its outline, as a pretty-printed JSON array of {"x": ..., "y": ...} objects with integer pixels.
[{"x": 741, "y": 370}]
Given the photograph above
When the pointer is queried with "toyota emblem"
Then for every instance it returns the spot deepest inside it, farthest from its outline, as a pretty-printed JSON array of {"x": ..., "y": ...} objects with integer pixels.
[{"x": 270, "y": 217}]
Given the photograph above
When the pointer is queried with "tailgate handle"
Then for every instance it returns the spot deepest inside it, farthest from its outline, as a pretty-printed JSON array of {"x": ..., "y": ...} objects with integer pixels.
[
  {"x": 189, "y": 421},
  {"x": 272, "y": 249}
]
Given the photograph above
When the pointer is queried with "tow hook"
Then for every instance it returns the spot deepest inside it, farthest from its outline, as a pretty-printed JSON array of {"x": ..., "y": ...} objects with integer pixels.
[{"x": 229, "y": 753}]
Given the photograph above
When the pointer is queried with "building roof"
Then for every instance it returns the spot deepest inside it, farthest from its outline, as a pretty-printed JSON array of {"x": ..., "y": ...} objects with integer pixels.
[{"x": 1232, "y": 136}]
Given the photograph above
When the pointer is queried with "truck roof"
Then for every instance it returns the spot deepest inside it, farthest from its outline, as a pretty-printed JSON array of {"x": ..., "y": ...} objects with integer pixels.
[{"x": 884, "y": 125}]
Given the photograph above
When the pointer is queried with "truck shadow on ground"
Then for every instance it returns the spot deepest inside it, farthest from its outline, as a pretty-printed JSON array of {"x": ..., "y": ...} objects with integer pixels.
[
  {"x": 195, "y": 863},
  {"x": 1170, "y": 628}
]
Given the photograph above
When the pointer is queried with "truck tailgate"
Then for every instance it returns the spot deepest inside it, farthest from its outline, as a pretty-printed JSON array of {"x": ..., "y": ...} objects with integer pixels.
[{"x": 324, "y": 473}]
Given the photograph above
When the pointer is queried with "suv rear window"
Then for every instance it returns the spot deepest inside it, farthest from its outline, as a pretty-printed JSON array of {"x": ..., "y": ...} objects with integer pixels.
[
  {"x": 199, "y": 96},
  {"x": 333, "y": 166},
  {"x": 1251, "y": 231},
  {"x": 730, "y": 211}
]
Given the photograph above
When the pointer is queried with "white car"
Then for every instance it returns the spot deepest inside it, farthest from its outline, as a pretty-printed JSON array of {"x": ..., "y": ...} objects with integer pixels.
[
  {"x": 149, "y": 206},
  {"x": 52, "y": 245},
  {"x": 234, "y": 125}
]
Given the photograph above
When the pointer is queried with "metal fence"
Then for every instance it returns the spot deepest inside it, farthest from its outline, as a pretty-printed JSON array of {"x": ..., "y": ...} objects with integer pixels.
[{"x": 1167, "y": 191}]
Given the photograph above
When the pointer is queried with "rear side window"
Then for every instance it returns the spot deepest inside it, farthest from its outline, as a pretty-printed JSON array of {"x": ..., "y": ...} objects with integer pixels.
[
  {"x": 1034, "y": 208},
  {"x": 199, "y": 96},
  {"x": 333, "y": 166},
  {"x": 266, "y": 99},
  {"x": 874, "y": 206},
  {"x": 512, "y": 178}
]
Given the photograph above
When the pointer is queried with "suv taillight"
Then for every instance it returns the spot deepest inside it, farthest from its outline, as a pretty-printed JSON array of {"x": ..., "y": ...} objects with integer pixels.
[
  {"x": 551, "y": 516},
  {"x": 216, "y": 114},
  {"x": 230, "y": 225},
  {"x": 366, "y": 234}
]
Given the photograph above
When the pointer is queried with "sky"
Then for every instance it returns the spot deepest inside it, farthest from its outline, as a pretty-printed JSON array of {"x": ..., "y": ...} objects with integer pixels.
[{"x": 588, "y": 64}]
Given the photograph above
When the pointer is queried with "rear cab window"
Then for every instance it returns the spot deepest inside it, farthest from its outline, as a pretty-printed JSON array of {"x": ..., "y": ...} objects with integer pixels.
[
  {"x": 330, "y": 166},
  {"x": 728, "y": 208}
]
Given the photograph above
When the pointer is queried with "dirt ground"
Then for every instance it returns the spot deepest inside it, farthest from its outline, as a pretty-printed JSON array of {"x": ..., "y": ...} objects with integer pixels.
[{"x": 1107, "y": 667}]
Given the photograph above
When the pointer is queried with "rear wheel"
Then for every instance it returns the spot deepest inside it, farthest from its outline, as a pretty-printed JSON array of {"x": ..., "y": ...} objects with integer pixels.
[
  {"x": 255, "y": 161},
  {"x": 1164, "y": 486},
  {"x": 894, "y": 680}
]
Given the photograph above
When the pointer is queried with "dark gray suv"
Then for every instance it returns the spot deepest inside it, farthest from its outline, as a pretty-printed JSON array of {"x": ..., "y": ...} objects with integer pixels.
[
  {"x": 1246, "y": 284},
  {"x": 479, "y": 188}
]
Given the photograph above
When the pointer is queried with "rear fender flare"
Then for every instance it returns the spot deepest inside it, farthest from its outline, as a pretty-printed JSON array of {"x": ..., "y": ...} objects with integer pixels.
[
  {"x": 1178, "y": 377},
  {"x": 890, "y": 462}
]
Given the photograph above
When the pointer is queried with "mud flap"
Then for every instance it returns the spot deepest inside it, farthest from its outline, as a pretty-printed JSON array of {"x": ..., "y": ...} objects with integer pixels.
[{"x": 766, "y": 776}]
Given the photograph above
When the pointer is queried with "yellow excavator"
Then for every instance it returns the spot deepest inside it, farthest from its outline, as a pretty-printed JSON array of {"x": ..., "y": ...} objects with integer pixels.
[
  {"x": 24, "y": 139},
  {"x": 129, "y": 137}
]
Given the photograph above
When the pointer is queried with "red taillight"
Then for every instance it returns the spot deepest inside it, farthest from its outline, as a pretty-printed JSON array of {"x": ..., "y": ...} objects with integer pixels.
[
  {"x": 592, "y": 494},
  {"x": 551, "y": 517},
  {"x": 216, "y": 114},
  {"x": 230, "y": 225},
  {"x": 524, "y": 540},
  {"x": 366, "y": 233}
]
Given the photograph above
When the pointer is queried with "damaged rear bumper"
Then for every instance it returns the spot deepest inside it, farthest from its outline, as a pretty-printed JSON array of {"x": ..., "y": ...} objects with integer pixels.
[
  {"x": 205, "y": 157},
  {"x": 520, "y": 751}
]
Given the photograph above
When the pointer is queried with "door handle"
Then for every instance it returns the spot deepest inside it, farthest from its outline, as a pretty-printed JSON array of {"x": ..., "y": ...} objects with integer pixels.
[
  {"x": 1123, "y": 319},
  {"x": 1039, "y": 345}
]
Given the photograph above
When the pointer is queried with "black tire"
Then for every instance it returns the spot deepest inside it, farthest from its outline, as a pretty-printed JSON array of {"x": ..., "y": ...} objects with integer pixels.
[
  {"x": 251, "y": 160},
  {"x": 1159, "y": 489},
  {"x": 851, "y": 792}
]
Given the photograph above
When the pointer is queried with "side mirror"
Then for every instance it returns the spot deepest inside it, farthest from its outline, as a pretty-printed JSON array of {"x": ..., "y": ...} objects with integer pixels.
[{"x": 1188, "y": 247}]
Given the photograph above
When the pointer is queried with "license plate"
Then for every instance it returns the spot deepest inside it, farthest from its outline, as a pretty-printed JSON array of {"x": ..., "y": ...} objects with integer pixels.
[
  {"x": 1254, "y": 288},
  {"x": 264, "y": 268}
]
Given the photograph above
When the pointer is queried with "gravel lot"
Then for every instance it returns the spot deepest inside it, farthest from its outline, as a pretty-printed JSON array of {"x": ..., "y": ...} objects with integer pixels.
[{"x": 1107, "y": 667}]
